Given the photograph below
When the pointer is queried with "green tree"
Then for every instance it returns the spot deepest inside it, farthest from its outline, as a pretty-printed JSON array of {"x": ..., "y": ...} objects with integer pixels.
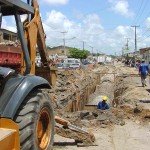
[
  {"x": 79, "y": 54},
  {"x": 48, "y": 47}
]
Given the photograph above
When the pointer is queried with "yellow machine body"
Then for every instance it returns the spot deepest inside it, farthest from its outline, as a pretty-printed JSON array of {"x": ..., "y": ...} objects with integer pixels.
[{"x": 9, "y": 135}]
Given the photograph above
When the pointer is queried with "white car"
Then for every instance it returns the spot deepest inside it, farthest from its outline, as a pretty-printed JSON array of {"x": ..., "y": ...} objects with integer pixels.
[
  {"x": 62, "y": 67},
  {"x": 75, "y": 65}
]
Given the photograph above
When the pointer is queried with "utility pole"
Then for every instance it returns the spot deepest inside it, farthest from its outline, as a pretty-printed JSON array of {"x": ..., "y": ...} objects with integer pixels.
[
  {"x": 97, "y": 54},
  {"x": 63, "y": 32},
  {"x": 127, "y": 45},
  {"x": 126, "y": 48},
  {"x": 83, "y": 44},
  {"x": 122, "y": 52},
  {"x": 135, "y": 37},
  {"x": 92, "y": 49}
]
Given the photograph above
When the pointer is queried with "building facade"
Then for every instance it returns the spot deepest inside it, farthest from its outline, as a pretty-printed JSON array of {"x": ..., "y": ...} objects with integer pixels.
[
  {"x": 145, "y": 52},
  {"x": 6, "y": 36},
  {"x": 59, "y": 50}
]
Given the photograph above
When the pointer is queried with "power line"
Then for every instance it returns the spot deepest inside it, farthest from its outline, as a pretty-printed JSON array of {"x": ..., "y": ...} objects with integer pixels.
[
  {"x": 137, "y": 12},
  {"x": 142, "y": 21},
  {"x": 142, "y": 10},
  {"x": 146, "y": 31},
  {"x": 144, "y": 38}
]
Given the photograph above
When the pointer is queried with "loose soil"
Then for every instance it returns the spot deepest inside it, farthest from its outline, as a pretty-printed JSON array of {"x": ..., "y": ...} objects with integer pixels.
[{"x": 126, "y": 125}]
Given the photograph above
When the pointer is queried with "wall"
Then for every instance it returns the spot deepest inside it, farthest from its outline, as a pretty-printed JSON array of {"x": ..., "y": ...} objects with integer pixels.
[
  {"x": 59, "y": 50},
  {"x": 145, "y": 52},
  {"x": 6, "y": 36}
]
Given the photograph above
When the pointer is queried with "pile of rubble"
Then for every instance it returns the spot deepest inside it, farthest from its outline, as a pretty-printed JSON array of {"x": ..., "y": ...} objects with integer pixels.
[
  {"x": 72, "y": 89},
  {"x": 130, "y": 96},
  {"x": 11, "y": 43},
  {"x": 130, "y": 102}
]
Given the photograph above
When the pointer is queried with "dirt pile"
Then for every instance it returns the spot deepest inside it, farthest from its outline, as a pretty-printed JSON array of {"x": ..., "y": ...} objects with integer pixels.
[
  {"x": 96, "y": 118},
  {"x": 131, "y": 97},
  {"x": 73, "y": 87},
  {"x": 127, "y": 121}
]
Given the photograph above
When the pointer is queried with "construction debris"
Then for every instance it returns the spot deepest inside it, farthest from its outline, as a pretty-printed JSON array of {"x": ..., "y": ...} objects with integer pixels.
[
  {"x": 127, "y": 99},
  {"x": 66, "y": 129}
]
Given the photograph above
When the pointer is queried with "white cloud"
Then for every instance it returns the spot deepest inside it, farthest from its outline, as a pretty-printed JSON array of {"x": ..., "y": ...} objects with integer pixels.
[
  {"x": 123, "y": 31},
  {"x": 92, "y": 23},
  {"x": 147, "y": 22},
  {"x": 23, "y": 17},
  {"x": 9, "y": 25},
  {"x": 56, "y": 2},
  {"x": 89, "y": 30},
  {"x": 78, "y": 14},
  {"x": 57, "y": 20},
  {"x": 121, "y": 7}
]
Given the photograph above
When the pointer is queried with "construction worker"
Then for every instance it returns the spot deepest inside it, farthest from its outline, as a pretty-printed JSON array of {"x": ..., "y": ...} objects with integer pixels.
[
  {"x": 103, "y": 104},
  {"x": 143, "y": 72}
]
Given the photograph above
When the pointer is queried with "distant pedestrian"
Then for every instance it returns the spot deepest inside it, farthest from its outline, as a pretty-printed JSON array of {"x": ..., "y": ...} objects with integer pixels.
[
  {"x": 143, "y": 72},
  {"x": 103, "y": 104},
  {"x": 137, "y": 64},
  {"x": 149, "y": 68},
  {"x": 149, "y": 71}
]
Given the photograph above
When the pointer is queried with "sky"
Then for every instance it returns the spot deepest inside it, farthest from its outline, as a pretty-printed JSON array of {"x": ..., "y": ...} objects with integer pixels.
[{"x": 101, "y": 26}]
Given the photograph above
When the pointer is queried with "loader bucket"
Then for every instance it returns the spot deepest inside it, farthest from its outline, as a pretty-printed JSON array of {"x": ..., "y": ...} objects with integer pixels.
[{"x": 49, "y": 75}]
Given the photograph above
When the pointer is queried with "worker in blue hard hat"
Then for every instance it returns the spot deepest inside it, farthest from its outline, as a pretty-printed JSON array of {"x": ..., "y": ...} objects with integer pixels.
[{"x": 103, "y": 104}]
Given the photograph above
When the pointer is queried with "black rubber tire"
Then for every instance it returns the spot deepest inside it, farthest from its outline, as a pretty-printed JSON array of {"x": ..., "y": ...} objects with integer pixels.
[{"x": 27, "y": 118}]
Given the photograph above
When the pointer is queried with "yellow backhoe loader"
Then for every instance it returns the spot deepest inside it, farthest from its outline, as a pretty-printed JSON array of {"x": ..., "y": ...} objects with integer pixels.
[{"x": 26, "y": 112}]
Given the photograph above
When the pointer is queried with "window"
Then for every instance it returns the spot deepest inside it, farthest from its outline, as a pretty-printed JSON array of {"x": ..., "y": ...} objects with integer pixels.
[
  {"x": 6, "y": 36},
  {"x": 14, "y": 38}
]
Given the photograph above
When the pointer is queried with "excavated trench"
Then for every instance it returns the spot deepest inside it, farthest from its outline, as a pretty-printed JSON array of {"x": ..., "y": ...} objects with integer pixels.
[
  {"x": 86, "y": 88},
  {"x": 105, "y": 87},
  {"x": 72, "y": 90},
  {"x": 77, "y": 88},
  {"x": 80, "y": 91},
  {"x": 122, "y": 118}
]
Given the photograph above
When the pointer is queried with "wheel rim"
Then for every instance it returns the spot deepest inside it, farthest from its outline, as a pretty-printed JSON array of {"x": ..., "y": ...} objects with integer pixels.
[{"x": 43, "y": 129}]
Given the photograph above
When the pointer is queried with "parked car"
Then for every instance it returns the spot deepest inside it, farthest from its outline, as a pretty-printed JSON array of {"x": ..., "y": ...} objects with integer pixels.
[
  {"x": 75, "y": 65},
  {"x": 59, "y": 65},
  {"x": 66, "y": 65},
  {"x": 85, "y": 62},
  {"x": 62, "y": 67}
]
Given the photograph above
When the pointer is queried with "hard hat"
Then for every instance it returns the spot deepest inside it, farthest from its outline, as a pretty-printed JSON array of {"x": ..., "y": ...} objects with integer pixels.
[{"x": 105, "y": 98}]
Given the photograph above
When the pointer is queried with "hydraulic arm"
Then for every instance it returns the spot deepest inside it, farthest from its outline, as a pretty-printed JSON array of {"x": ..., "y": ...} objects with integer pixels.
[{"x": 32, "y": 38}]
